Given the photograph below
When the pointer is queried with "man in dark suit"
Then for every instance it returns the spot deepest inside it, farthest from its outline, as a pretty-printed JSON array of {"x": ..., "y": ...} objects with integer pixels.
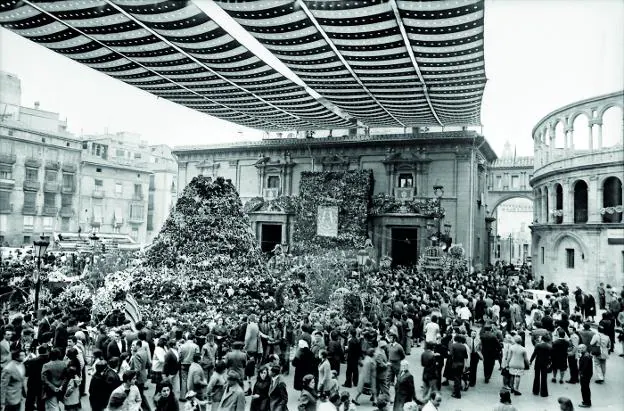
[
  {"x": 430, "y": 376},
  {"x": 354, "y": 354},
  {"x": 34, "y": 367},
  {"x": 53, "y": 375},
  {"x": 61, "y": 336},
  {"x": 405, "y": 390},
  {"x": 278, "y": 395},
  {"x": 490, "y": 349},
  {"x": 586, "y": 371},
  {"x": 116, "y": 346},
  {"x": 542, "y": 357},
  {"x": 140, "y": 363},
  {"x": 458, "y": 356},
  {"x": 12, "y": 386},
  {"x": 171, "y": 368}
]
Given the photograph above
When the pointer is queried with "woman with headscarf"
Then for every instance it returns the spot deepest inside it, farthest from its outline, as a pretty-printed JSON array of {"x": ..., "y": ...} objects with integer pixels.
[{"x": 304, "y": 363}]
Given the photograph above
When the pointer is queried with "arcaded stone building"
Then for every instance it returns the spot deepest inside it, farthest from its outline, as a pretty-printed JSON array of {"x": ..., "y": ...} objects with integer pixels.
[
  {"x": 578, "y": 233},
  {"x": 404, "y": 165}
]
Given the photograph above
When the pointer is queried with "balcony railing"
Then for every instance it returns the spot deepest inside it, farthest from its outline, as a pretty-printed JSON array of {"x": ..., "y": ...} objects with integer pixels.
[
  {"x": 31, "y": 185},
  {"x": 29, "y": 209},
  {"x": 580, "y": 216},
  {"x": 49, "y": 210},
  {"x": 32, "y": 162},
  {"x": 69, "y": 168},
  {"x": 137, "y": 196},
  {"x": 7, "y": 183},
  {"x": 51, "y": 187},
  {"x": 270, "y": 193},
  {"x": 97, "y": 193},
  {"x": 68, "y": 189},
  {"x": 404, "y": 193},
  {"x": 66, "y": 211},
  {"x": 8, "y": 158},
  {"x": 52, "y": 165}
]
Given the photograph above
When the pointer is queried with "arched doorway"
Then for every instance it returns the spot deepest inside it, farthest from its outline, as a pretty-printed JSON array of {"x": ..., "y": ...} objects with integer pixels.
[
  {"x": 580, "y": 202},
  {"x": 511, "y": 234},
  {"x": 558, "y": 217},
  {"x": 611, "y": 200}
]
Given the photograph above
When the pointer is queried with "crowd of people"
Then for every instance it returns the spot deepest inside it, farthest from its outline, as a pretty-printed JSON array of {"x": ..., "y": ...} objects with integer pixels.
[{"x": 231, "y": 361}]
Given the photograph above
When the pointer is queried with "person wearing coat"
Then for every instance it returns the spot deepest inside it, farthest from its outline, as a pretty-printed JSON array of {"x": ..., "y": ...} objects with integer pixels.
[
  {"x": 324, "y": 373},
  {"x": 542, "y": 357},
  {"x": 260, "y": 392},
  {"x": 278, "y": 394},
  {"x": 233, "y": 397},
  {"x": 590, "y": 307},
  {"x": 196, "y": 380},
  {"x": 216, "y": 385},
  {"x": 12, "y": 385},
  {"x": 405, "y": 390},
  {"x": 368, "y": 376},
  {"x": 253, "y": 343},
  {"x": 304, "y": 363},
  {"x": 308, "y": 398},
  {"x": 236, "y": 359}
]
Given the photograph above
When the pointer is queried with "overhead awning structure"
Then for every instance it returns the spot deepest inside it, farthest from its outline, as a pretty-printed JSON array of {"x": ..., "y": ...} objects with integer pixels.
[{"x": 376, "y": 63}]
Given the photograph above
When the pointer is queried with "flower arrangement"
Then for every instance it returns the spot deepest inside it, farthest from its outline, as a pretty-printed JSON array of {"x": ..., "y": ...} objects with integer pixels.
[
  {"x": 611, "y": 210},
  {"x": 77, "y": 300},
  {"x": 350, "y": 191},
  {"x": 287, "y": 204},
  {"x": 456, "y": 251},
  {"x": 387, "y": 204}
]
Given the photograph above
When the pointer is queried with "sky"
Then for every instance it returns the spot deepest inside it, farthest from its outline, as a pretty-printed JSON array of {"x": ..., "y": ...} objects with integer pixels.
[{"x": 539, "y": 55}]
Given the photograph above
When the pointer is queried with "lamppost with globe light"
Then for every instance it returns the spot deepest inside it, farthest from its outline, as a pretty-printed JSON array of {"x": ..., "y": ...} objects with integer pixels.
[
  {"x": 94, "y": 239},
  {"x": 40, "y": 247}
]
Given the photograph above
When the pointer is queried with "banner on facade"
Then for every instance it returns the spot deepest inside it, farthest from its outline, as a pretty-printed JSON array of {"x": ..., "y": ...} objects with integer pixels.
[{"x": 327, "y": 221}]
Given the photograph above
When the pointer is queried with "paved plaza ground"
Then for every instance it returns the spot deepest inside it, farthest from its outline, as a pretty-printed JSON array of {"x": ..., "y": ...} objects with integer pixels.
[{"x": 608, "y": 396}]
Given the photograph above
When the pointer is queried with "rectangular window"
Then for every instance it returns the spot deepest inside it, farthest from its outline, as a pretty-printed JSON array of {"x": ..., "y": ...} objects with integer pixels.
[
  {"x": 273, "y": 182},
  {"x": 137, "y": 156},
  {"x": 5, "y": 200},
  {"x": 30, "y": 199},
  {"x": 136, "y": 211},
  {"x": 542, "y": 251},
  {"x": 66, "y": 200},
  {"x": 515, "y": 181},
  {"x": 6, "y": 174},
  {"x": 406, "y": 180},
  {"x": 29, "y": 222},
  {"x": 48, "y": 223},
  {"x": 98, "y": 183},
  {"x": 569, "y": 257},
  {"x": 68, "y": 180},
  {"x": 32, "y": 174},
  {"x": 50, "y": 176},
  {"x": 120, "y": 153},
  {"x": 118, "y": 189},
  {"x": 65, "y": 224},
  {"x": 49, "y": 199},
  {"x": 499, "y": 182},
  {"x": 134, "y": 234},
  {"x": 26, "y": 240}
]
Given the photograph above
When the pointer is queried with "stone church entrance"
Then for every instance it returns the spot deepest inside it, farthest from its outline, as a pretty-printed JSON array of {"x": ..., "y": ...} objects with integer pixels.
[
  {"x": 404, "y": 246},
  {"x": 270, "y": 236}
]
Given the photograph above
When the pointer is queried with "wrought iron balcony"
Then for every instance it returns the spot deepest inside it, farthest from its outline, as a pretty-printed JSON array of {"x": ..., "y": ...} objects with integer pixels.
[
  {"x": 404, "y": 193},
  {"x": 270, "y": 193},
  {"x": 66, "y": 211},
  {"x": 69, "y": 189},
  {"x": 51, "y": 187},
  {"x": 49, "y": 211},
  {"x": 52, "y": 165},
  {"x": 32, "y": 162},
  {"x": 29, "y": 209},
  {"x": 31, "y": 185},
  {"x": 7, "y": 158},
  {"x": 97, "y": 193}
]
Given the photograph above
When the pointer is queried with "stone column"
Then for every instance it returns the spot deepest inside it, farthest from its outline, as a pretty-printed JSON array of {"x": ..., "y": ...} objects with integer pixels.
[
  {"x": 568, "y": 202},
  {"x": 594, "y": 200},
  {"x": 599, "y": 135},
  {"x": 591, "y": 136}
]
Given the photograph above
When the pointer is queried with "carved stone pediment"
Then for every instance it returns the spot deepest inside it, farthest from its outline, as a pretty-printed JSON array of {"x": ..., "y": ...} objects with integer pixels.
[
  {"x": 335, "y": 162},
  {"x": 406, "y": 157}
]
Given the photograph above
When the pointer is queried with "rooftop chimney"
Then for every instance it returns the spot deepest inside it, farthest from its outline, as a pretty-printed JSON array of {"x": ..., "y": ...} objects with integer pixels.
[{"x": 36, "y": 105}]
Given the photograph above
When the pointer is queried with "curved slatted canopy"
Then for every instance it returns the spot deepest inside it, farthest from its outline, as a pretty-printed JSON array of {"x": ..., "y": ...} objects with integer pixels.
[{"x": 384, "y": 63}]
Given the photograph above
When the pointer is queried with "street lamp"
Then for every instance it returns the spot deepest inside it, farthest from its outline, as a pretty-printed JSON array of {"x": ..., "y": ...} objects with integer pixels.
[
  {"x": 94, "y": 239},
  {"x": 40, "y": 246},
  {"x": 510, "y": 246}
]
